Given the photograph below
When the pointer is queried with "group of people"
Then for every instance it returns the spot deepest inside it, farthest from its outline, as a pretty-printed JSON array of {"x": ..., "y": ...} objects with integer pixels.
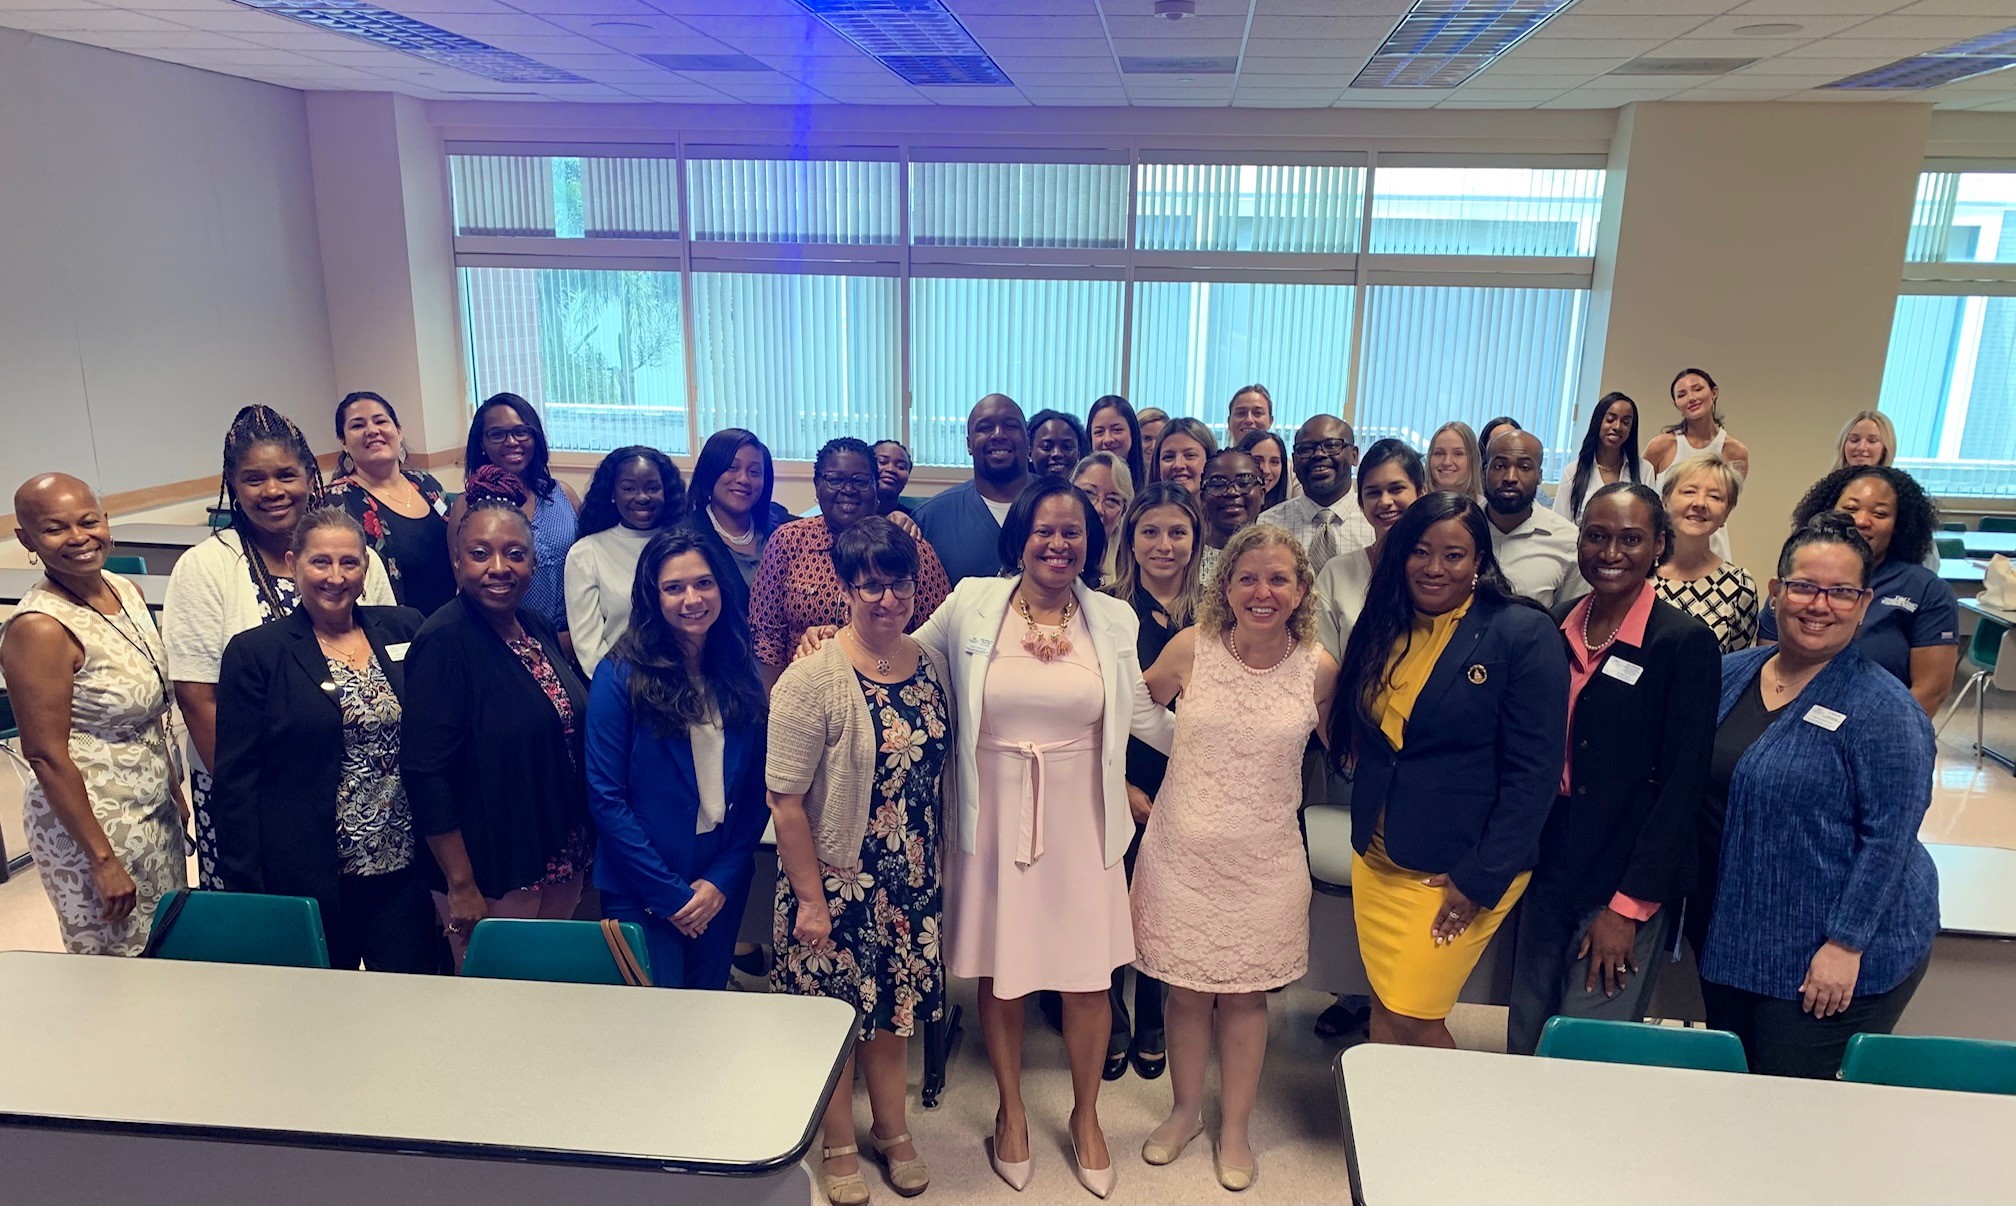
[{"x": 1045, "y": 727}]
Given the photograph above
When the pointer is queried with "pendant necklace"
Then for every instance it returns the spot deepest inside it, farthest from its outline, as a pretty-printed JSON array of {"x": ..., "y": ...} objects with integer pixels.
[{"x": 1047, "y": 646}]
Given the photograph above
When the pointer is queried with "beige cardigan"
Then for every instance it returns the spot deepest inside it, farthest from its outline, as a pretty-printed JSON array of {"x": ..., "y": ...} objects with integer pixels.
[{"x": 822, "y": 746}]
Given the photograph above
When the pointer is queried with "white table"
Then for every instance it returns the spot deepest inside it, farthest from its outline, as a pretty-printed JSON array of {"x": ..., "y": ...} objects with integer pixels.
[
  {"x": 1999, "y": 620},
  {"x": 363, "y": 1087},
  {"x": 1441, "y": 1127},
  {"x": 1968, "y": 988},
  {"x": 158, "y": 544},
  {"x": 1986, "y": 544},
  {"x": 14, "y": 583},
  {"x": 1961, "y": 570}
]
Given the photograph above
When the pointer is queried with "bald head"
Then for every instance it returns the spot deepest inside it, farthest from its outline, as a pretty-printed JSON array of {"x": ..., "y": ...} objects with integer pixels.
[
  {"x": 997, "y": 436},
  {"x": 59, "y": 519},
  {"x": 1512, "y": 474},
  {"x": 47, "y": 493}
]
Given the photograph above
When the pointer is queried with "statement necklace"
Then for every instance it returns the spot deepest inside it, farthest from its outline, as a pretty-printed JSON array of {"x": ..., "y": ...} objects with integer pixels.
[
  {"x": 1047, "y": 646},
  {"x": 741, "y": 542}
]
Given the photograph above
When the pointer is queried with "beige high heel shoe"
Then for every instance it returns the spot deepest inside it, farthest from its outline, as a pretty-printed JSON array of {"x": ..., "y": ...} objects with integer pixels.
[
  {"x": 1101, "y": 1181},
  {"x": 907, "y": 1177},
  {"x": 1016, "y": 1172},
  {"x": 842, "y": 1189}
]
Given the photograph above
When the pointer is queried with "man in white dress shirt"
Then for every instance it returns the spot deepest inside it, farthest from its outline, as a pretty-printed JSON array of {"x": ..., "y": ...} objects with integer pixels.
[
  {"x": 1325, "y": 516},
  {"x": 1535, "y": 547}
]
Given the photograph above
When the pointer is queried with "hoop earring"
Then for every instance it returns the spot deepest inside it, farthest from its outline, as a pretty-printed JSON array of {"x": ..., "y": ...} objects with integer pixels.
[{"x": 33, "y": 559}]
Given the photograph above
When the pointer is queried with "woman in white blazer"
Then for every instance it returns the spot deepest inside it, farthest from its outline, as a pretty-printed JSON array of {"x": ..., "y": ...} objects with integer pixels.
[{"x": 1048, "y": 689}]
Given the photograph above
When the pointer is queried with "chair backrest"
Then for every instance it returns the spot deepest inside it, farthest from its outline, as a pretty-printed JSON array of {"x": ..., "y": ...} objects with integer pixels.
[
  {"x": 2004, "y": 676},
  {"x": 1998, "y": 523},
  {"x": 1984, "y": 648},
  {"x": 1951, "y": 548},
  {"x": 129, "y": 565},
  {"x": 7, "y": 730},
  {"x": 1326, "y": 836},
  {"x": 1918, "y": 1061},
  {"x": 568, "y": 952},
  {"x": 1952, "y": 525},
  {"x": 1642, "y": 1043},
  {"x": 244, "y": 927}
]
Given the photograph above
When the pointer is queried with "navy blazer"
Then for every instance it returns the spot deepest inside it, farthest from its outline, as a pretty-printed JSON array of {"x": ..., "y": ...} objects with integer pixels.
[
  {"x": 644, "y": 794},
  {"x": 1468, "y": 791},
  {"x": 280, "y": 752},
  {"x": 1821, "y": 837}
]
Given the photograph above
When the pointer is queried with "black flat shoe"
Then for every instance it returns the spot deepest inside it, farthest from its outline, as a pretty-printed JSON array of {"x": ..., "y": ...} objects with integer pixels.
[
  {"x": 1148, "y": 1067},
  {"x": 1341, "y": 1019},
  {"x": 1116, "y": 1067}
]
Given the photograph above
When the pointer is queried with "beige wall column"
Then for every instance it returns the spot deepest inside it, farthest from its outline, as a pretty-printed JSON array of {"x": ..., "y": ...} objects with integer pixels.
[
  {"x": 382, "y": 209},
  {"x": 1764, "y": 243}
]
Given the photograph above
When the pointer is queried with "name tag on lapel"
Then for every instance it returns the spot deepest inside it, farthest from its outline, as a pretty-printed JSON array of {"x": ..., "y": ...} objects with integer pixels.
[
  {"x": 1624, "y": 672},
  {"x": 979, "y": 644},
  {"x": 398, "y": 652},
  {"x": 1826, "y": 718}
]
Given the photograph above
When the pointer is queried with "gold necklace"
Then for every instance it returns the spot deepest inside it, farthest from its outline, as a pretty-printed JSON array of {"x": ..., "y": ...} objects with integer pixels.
[
  {"x": 1047, "y": 646},
  {"x": 882, "y": 665}
]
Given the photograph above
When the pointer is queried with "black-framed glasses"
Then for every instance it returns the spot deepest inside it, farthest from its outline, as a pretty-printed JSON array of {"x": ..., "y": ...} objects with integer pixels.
[
  {"x": 1239, "y": 484},
  {"x": 1323, "y": 448},
  {"x": 1840, "y": 598},
  {"x": 872, "y": 592},
  {"x": 847, "y": 481},
  {"x": 508, "y": 435}
]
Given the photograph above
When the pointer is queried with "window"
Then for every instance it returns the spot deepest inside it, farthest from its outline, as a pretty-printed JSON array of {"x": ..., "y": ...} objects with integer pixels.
[
  {"x": 1949, "y": 384},
  {"x": 537, "y": 196},
  {"x": 754, "y": 200},
  {"x": 1495, "y": 211},
  {"x": 1268, "y": 207},
  {"x": 1071, "y": 205},
  {"x": 1194, "y": 343}
]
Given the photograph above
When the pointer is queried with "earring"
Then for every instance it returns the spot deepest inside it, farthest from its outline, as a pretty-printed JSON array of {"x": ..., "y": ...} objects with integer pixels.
[{"x": 34, "y": 559}]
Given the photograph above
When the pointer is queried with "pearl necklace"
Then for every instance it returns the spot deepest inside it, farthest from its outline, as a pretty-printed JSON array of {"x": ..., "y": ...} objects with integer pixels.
[
  {"x": 1232, "y": 643},
  {"x": 743, "y": 541},
  {"x": 1595, "y": 649}
]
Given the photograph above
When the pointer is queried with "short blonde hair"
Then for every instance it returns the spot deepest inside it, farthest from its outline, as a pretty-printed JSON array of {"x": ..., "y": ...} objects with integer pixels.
[
  {"x": 1732, "y": 481},
  {"x": 1214, "y": 615},
  {"x": 1884, "y": 428},
  {"x": 1123, "y": 478}
]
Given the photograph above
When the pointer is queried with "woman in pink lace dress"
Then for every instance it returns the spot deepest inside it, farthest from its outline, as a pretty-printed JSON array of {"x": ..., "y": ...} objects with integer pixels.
[{"x": 1221, "y": 891}]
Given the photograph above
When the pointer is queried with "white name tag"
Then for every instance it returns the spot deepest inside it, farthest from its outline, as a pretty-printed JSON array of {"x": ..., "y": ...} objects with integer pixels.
[
  {"x": 1624, "y": 672},
  {"x": 979, "y": 644},
  {"x": 398, "y": 652},
  {"x": 1826, "y": 718}
]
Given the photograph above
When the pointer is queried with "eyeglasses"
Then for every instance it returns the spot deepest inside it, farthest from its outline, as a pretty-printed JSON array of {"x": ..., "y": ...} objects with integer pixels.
[
  {"x": 1323, "y": 448},
  {"x": 872, "y": 592},
  {"x": 509, "y": 435},
  {"x": 1840, "y": 598},
  {"x": 840, "y": 481},
  {"x": 1231, "y": 485}
]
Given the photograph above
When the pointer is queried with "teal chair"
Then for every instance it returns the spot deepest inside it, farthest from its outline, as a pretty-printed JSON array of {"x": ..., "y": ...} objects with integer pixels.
[
  {"x": 567, "y": 952},
  {"x": 1998, "y": 523},
  {"x": 1951, "y": 548},
  {"x": 239, "y": 927},
  {"x": 1917, "y": 1061},
  {"x": 1952, "y": 525},
  {"x": 130, "y": 566},
  {"x": 1984, "y": 653},
  {"x": 1642, "y": 1043}
]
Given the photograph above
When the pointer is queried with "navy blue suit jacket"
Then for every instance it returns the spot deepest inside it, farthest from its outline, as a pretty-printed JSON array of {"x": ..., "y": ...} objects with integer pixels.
[{"x": 1470, "y": 788}]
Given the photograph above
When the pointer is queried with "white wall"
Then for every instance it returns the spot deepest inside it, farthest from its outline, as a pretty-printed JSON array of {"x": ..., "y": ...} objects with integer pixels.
[{"x": 158, "y": 265}]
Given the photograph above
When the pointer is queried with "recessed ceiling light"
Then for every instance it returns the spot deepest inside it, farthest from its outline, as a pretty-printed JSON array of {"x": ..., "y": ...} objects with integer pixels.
[
  {"x": 1768, "y": 29},
  {"x": 621, "y": 27}
]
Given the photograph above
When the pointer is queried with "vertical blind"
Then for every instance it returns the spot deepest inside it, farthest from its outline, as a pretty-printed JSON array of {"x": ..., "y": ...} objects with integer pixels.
[
  {"x": 502, "y": 194},
  {"x": 1196, "y": 343},
  {"x": 1249, "y": 207},
  {"x": 1491, "y": 211},
  {"x": 1018, "y": 204},
  {"x": 795, "y": 200}
]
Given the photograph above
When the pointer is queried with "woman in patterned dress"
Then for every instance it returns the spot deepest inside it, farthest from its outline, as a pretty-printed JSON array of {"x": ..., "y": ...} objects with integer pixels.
[
  {"x": 88, "y": 679},
  {"x": 859, "y": 733},
  {"x": 1699, "y": 495}
]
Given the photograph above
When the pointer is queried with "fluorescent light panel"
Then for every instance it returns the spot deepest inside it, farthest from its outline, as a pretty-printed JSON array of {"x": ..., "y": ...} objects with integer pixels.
[
  {"x": 919, "y": 40},
  {"x": 396, "y": 31},
  {"x": 1962, "y": 60},
  {"x": 1442, "y": 43}
]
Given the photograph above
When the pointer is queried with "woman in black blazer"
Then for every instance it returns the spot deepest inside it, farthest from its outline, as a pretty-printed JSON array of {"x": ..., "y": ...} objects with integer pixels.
[
  {"x": 493, "y": 731},
  {"x": 1618, "y": 851},
  {"x": 1450, "y": 707},
  {"x": 307, "y": 796}
]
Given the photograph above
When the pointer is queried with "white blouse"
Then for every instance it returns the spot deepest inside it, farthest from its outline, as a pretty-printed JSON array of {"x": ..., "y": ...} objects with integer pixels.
[
  {"x": 211, "y": 599},
  {"x": 600, "y": 571}
]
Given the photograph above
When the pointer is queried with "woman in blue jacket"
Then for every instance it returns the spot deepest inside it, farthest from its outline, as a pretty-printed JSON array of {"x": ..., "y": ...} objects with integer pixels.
[
  {"x": 1823, "y": 903},
  {"x": 675, "y": 745}
]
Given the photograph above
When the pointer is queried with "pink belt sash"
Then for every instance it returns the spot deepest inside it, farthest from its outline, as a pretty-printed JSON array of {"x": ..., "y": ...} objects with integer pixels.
[{"x": 1035, "y": 767}]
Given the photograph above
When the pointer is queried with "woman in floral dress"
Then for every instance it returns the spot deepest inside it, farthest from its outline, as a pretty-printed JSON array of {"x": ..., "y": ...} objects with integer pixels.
[{"x": 858, "y": 738}]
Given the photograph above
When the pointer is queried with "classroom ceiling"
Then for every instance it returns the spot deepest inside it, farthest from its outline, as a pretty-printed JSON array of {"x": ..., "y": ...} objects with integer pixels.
[{"x": 1240, "y": 53}]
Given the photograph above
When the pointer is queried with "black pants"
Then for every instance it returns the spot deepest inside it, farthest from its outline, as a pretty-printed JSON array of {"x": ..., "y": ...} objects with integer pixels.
[
  {"x": 1780, "y": 1039},
  {"x": 385, "y": 922}
]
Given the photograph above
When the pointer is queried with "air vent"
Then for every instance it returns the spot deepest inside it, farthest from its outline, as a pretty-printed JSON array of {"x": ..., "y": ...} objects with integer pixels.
[
  {"x": 1178, "y": 65},
  {"x": 1442, "y": 43},
  {"x": 1978, "y": 55},
  {"x": 1652, "y": 66},
  {"x": 919, "y": 40},
  {"x": 707, "y": 62},
  {"x": 396, "y": 31}
]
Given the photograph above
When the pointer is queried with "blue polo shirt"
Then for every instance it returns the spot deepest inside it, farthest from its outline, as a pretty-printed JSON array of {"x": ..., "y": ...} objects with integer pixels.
[{"x": 1912, "y": 609}]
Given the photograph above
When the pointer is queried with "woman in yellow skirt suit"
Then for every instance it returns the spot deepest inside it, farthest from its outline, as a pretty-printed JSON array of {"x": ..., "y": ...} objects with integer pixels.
[{"x": 1451, "y": 717}]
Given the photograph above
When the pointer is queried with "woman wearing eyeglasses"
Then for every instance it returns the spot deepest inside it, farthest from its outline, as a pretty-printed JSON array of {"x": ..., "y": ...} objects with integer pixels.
[
  {"x": 507, "y": 433},
  {"x": 1817, "y": 905},
  {"x": 797, "y": 587},
  {"x": 1232, "y": 494}
]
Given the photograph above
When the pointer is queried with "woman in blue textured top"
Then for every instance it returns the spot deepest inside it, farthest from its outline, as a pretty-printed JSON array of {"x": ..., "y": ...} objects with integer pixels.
[{"x": 1818, "y": 905}]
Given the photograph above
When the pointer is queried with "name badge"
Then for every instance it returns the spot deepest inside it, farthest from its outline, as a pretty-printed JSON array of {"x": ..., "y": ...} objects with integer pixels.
[
  {"x": 979, "y": 644},
  {"x": 398, "y": 652},
  {"x": 1826, "y": 718},
  {"x": 1624, "y": 672}
]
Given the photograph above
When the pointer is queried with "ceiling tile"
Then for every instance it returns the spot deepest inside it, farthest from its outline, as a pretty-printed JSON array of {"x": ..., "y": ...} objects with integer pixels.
[
  {"x": 178, "y": 40},
  {"x": 1302, "y": 48},
  {"x": 1960, "y": 8},
  {"x": 1191, "y": 29},
  {"x": 1324, "y": 8},
  {"x": 1727, "y": 48},
  {"x": 761, "y": 44},
  {"x": 1805, "y": 8},
  {"x": 1544, "y": 45},
  {"x": 1666, "y": 8},
  {"x": 1543, "y": 65},
  {"x": 5, "y": 5},
  {"x": 1036, "y": 26},
  {"x": 651, "y": 25},
  {"x": 1810, "y": 27},
  {"x": 1270, "y": 79},
  {"x": 1066, "y": 79},
  {"x": 1945, "y": 29},
  {"x": 990, "y": 98},
  {"x": 794, "y": 23},
  {"x": 486, "y": 26},
  {"x": 239, "y": 20},
  {"x": 1323, "y": 66},
  {"x": 301, "y": 37},
  {"x": 550, "y": 9},
  {"x": 1159, "y": 48},
  {"x": 110, "y": 20},
  {"x": 1750, "y": 96},
  {"x": 1571, "y": 24},
  {"x": 1350, "y": 28},
  {"x": 421, "y": 9},
  {"x": 559, "y": 42},
  {"x": 1515, "y": 96}
]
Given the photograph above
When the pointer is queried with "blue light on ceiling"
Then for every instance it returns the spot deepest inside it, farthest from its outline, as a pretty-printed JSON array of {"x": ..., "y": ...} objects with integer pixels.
[
  {"x": 1442, "y": 43},
  {"x": 919, "y": 40},
  {"x": 396, "y": 31},
  {"x": 1962, "y": 60}
]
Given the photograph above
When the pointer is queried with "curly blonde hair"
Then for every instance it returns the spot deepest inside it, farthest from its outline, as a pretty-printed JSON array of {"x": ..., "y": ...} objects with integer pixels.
[{"x": 1214, "y": 615}]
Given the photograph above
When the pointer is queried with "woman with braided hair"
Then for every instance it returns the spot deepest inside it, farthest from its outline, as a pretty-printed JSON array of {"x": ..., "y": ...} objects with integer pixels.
[{"x": 238, "y": 579}]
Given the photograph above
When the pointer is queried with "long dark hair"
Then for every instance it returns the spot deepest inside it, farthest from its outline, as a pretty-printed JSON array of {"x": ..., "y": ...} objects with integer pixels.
[
  {"x": 1715, "y": 410},
  {"x": 536, "y": 477},
  {"x": 1917, "y": 515},
  {"x": 1585, "y": 460},
  {"x": 1386, "y": 627},
  {"x": 1278, "y": 493},
  {"x": 669, "y": 694},
  {"x": 1137, "y": 460},
  {"x": 344, "y": 465},
  {"x": 716, "y": 456},
  {"x": 598, "y": 507},
  {"x": 250, "y": 427}
]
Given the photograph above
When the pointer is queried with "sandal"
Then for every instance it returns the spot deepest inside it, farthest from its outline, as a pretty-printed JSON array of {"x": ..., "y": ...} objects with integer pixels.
[
  {"x": 842, "y": 1189},
  {"x": 907, "y": 1177}
]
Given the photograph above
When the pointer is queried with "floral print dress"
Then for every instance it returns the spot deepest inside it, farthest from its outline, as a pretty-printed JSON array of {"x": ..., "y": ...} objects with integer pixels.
[{"x": 885, "y": 957}]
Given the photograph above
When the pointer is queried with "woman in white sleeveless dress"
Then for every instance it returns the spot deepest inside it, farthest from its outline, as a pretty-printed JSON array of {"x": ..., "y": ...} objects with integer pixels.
[{"x": 1698, "y": 433}]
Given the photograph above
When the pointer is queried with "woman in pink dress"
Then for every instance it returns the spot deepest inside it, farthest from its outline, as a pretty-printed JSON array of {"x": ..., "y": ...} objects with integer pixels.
[
  {"x": 1046, "y": 679},
  {"x": 1221, "y": 886}
]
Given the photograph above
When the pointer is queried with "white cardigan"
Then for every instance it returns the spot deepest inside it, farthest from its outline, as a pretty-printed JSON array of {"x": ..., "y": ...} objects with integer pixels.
[
  {"x": 211, "y": 599},
  {"x": 962, "y": 633},
  {"x": 600, "y": 571}
]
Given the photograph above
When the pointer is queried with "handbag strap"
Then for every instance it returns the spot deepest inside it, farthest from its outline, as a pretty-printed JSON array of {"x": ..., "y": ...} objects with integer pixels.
[
  {"x": 165, "y": 914},
  {"x": 626, "y": 959}
]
